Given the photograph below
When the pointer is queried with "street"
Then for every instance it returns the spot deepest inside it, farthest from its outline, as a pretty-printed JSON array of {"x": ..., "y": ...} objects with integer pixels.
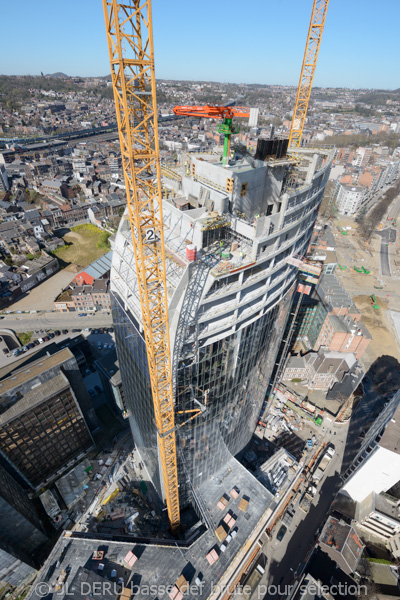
[
  {"x": 54, "y": 320},
  {"x": 286, "y": 558},
  {"x": 388, "y": 235}
]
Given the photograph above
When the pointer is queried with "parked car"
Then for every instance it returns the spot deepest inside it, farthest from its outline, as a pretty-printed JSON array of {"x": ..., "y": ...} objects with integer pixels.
[
  {"x": 51, "y": 335},
  {"x": 65, "y": 331},
  {"x": 36, "y": 342},
  {"x": 57, "y": 332},
  {"x": 281, "y": 533},
  {"x": 82, "y": 315},
  {"x": 30, "y": 346},
  {"x": 5, "y": 350},
  {"x": 17, "y": 352},
  {"x": 46, "y": 338},
  {"x": 24, "y": 348},
  {"x": 40, "y": 340},
  {"x": 99, "y": 345}
]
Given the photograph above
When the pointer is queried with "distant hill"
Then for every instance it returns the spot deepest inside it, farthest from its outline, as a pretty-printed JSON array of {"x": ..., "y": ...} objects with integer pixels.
[{"x": 60, "y": 75}]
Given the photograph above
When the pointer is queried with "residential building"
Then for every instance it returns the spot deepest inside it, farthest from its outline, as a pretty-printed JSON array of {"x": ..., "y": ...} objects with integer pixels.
[
  {"x": 319, "y": 370},
  {"x": 343, "y": 334},
  {"x": 51, "y": 186},
  {"x": 85, "y": 298},
  {"x": 342, "y": 544},
  {"x": 349, "y": 199}
]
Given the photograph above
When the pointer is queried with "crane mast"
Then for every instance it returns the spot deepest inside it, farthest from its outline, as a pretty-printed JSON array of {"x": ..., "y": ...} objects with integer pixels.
[
  {"x": 313, "y": 43},
  {"x": 130, "y": 45}
]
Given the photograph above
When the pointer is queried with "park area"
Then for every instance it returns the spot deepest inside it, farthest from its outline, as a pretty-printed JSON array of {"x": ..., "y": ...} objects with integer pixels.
[{"x": 84, "y": 244}]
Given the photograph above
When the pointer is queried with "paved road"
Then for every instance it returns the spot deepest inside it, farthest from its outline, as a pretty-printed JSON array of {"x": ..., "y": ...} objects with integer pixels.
[
  {"x": 388, "y": 236},
  {"x": 285, "y": 557},
  {"x": 55, "y": 320}
]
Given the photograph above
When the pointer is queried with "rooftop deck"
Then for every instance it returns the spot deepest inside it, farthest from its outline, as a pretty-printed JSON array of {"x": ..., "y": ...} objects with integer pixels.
[{"x": 239, "y": 521}]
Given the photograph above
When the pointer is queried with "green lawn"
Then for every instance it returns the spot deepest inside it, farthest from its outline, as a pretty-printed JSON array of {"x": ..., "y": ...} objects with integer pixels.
[
  {"x": 86, "y": 243},
  {"x": 25, "y": 337}
]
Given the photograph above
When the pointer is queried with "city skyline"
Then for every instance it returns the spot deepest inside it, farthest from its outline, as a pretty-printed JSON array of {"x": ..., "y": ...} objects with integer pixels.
[{"x": 209, "y": 46}]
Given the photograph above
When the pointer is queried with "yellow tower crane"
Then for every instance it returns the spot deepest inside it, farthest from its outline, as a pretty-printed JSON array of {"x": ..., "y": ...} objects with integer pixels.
[
  {"x": 130, "y": 44},
  {"x": 313, "y": 43}
]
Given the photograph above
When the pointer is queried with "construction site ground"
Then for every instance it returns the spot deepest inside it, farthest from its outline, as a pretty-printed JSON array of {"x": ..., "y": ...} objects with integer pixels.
[{"x": 352, "y": 251}]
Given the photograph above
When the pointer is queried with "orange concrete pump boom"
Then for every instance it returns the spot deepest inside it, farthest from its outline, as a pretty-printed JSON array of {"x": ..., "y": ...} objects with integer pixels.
[{"x": 209, "y": 111}]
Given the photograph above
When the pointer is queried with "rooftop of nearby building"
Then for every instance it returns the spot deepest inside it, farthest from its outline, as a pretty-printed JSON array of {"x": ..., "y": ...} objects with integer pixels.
[
  {"x": 342, "y": 544},
  {"x": 109, "y": 364},
  {"x": 233, "y": 494},
  {"x": 35, "y": 396},
  {"x": 344, "y": 389},
  {"x": 382, "y": 503},
  {"x": 99, "y": 267},
  {"x": 16, "y": 377},
  {"x": 391, "y": 436},
  {"x": 311, "y": 589},
  {"x": 330, "y": 289}
]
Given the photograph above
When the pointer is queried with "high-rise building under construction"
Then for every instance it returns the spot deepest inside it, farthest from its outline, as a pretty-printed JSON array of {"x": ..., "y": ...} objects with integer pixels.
[{"x": 229, "y": 234}]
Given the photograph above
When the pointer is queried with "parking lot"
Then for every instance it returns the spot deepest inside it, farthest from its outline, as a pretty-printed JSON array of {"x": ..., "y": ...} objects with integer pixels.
[{"x": 101, "y": 341}]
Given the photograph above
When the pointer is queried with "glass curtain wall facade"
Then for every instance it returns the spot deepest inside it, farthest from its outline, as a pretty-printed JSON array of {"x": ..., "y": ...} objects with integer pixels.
[{"x": 230, "y": 378}]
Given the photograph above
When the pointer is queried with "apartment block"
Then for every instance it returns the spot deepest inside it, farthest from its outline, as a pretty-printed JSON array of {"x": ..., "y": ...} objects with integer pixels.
[
  {"x": 349, "y": 198},
  {"x": 319, "y": 370}
]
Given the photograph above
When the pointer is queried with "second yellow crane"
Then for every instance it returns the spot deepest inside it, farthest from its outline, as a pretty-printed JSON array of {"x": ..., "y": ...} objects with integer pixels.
[{"x": 307, "y": 73}]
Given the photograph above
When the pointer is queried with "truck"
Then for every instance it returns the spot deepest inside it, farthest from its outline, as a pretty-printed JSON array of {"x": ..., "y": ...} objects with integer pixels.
[
  {"x": 324, "y": 462},
  {"x": 253, "y": 581},
  {"x": 305, "y": 503}
]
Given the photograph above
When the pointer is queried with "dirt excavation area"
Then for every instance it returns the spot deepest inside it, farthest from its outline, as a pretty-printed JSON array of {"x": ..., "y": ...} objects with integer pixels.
[
  {"x": 380, "y": 325},
  {"x": 354, "y": 255}
]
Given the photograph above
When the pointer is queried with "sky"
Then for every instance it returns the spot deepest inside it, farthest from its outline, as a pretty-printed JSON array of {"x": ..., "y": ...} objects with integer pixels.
[{"x": 253, "y": 41}]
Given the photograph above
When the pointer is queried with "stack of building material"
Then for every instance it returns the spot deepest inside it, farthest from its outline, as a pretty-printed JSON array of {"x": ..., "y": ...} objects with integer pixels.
[
  {"x": 125, "y": 594},
  {"x": 230, "y": 519},
  {"x": 130, "y": 559},
  {"x": 180, "y": 587},
  {"x": 220, "y": 533},
  {"x": 223, "y": 503},
  {"x": 235, "y": 492},
  {"x": 243, "y": 504},
  {"x": 212, "y": 556}
]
